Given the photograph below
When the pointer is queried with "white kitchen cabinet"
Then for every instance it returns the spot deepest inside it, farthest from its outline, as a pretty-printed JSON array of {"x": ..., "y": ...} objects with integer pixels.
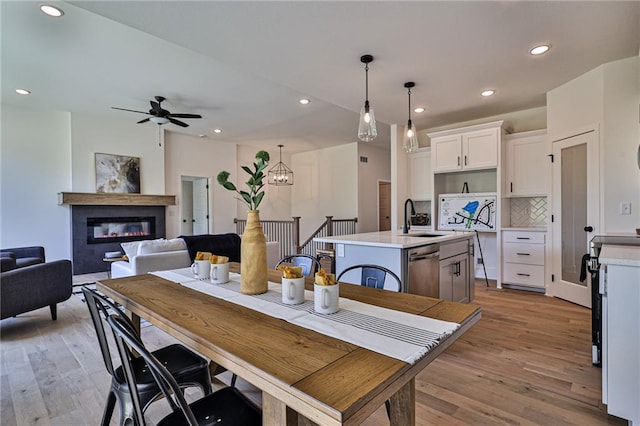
[
  {"x": 419, "y": 175},
  {"x": 523, "y": 258},
  {"x": 527, "y": 164},
  {"x": 468, "y": 148},
  {"x": 620, "y": 289}
]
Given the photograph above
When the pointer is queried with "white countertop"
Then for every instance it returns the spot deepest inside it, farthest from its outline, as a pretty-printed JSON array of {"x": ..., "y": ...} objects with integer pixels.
[
  {"x": 528, "y": 229},
  {"x": 620, "y": 255},
  {"x": 396, "y": 239}
]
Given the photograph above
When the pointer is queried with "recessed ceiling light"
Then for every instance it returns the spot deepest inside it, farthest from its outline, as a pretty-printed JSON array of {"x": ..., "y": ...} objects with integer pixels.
[
  {"x": 539, "y": 50},
  {"x": 304, "y": 101},
  {"x": 218, "y": 131},
  {"x": 487, "y": 93},
  {"x": 23, "y": 91},
  {"x": 419, "y": 110},
  {"x": 51, "y": 10},
  {"x": 202, "y": 135}
]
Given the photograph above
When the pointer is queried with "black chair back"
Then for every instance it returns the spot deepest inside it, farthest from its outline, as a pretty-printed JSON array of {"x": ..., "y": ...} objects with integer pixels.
[
  {"x": 310, "y": 264},
  {"x": 98, "y": 306},
  {"x": 373, "y": 276},
  {"x": 127, "y": 342}
]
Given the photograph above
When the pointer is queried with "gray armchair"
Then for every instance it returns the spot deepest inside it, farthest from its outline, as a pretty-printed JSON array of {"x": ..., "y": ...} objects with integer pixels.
[
  {"x": 36, "y": 286},
  {"x": 19, "y": 257}
]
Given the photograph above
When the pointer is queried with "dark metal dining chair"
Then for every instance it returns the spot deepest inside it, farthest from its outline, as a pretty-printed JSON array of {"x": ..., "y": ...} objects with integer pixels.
[
  {"x": 188, "y": 368},
  {"x": 310, "y": 264},
  {"x": 227, "y": 406},
  {"x": 373, "y": 275}
]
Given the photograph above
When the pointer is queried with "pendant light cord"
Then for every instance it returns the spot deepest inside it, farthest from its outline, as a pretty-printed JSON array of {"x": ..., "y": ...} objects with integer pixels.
[{"x": 366, "y": 82}]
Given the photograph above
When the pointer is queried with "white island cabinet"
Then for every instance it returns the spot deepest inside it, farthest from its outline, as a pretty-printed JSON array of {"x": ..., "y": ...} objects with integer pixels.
[
  {"x": 430, "y": 264},
  {"x": 620, "y": 289}
]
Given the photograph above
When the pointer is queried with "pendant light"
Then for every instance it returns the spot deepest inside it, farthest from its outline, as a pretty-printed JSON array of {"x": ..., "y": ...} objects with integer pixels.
[
  {"x": 367, "y": 126},
  {"x": 410, "y": 139},
  {"x": 280, "y": 174}
]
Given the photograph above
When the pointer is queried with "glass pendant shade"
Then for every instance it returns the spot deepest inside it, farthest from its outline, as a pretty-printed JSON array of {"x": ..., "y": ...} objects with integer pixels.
[
  {"x": 367, "y": 128},
  {"x": 367, "y": 125},
  {"x": 410, "y": 139},
  {"x": 280, "y": 174}
]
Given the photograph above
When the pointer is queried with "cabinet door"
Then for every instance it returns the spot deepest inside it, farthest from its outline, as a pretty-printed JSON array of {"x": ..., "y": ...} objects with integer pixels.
[
  {"x": 480, "y": 149},
  {"x": 459, "y": 279},
  {"x": 454, "y": 279},
  {"x": 420, "y": 176},
  {"x": 446, "y": 152},
  {"x": 527, "y": 167}
]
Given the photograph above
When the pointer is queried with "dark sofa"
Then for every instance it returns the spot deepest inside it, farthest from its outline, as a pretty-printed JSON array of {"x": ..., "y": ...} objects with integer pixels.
[
  {"x": 220, "y": 244},
  {"x": 19, "y": 257},
  {"x": 33, "y": 287}
]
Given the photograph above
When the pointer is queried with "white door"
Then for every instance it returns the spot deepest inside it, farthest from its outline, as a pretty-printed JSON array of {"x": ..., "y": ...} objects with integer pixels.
[
  {"x": 576, "y": 212},
  {"x": 201, "y": 206}
]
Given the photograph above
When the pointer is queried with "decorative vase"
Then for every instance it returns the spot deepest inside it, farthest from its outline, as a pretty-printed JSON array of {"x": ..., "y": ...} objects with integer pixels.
[{"x": 253, "y": 256}]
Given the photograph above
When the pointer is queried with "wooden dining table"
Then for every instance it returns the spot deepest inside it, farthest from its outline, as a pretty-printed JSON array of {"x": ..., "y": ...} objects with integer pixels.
[{"x": 305, "y": 377}]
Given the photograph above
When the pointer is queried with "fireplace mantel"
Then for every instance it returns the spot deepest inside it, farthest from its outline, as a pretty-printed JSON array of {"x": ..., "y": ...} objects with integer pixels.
[{"x": 111, "y": 199}]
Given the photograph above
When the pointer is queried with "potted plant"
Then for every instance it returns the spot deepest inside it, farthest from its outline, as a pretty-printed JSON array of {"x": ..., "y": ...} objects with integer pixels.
[{"x": 253, "y": 248}]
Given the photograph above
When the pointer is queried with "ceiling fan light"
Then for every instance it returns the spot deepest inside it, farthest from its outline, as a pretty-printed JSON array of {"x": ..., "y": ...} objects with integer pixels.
[{"x": 159, "y": 120}]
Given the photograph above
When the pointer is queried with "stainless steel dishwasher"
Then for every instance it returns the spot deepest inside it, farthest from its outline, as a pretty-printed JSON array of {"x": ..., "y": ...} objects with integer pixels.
[{"x": 423, "y": 271}]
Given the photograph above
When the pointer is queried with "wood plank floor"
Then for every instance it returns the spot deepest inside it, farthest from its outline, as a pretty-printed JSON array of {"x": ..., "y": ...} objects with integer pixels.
[{"x": 528, "y": 361}]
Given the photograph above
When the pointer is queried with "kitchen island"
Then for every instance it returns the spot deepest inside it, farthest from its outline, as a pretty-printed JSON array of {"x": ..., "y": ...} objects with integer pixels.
[{"x": 435, "y": 264}]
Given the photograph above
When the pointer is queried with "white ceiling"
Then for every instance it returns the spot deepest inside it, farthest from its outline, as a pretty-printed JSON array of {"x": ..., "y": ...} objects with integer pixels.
[{"x": 244, "y": 65}]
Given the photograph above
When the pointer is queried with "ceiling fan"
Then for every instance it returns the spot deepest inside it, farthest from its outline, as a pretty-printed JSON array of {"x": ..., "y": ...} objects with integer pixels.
[{"x": 162, "y": 116}]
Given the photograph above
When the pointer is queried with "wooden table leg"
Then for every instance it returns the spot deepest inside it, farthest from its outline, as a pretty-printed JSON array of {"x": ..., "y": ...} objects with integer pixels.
[
  {"x": 402, "y": 406},
  {"x": 276, "y": 412},
  {"x": 135, "y": 319}
]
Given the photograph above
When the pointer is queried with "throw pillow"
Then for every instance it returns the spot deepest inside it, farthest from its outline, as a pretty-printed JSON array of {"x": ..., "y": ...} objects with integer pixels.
[
  {"x": 131, "y": 248},
  {"x": 161, "y": 246}
]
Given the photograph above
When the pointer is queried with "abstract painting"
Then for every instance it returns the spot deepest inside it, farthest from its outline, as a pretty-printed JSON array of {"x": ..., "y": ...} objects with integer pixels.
[{"x": 117, "y": 173}]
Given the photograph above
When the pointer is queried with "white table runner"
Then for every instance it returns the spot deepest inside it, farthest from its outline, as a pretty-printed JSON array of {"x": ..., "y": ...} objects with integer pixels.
[{"x": 396, "y": 334}]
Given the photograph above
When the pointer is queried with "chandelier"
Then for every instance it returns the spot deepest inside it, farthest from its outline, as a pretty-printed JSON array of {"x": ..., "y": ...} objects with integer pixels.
[{"x": 280, "y": 174}]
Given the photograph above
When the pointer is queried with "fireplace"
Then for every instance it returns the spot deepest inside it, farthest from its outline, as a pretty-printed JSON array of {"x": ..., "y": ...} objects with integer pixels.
[
  {"x": 99, "y": 229},
  {"x": 102, "y": 230}
]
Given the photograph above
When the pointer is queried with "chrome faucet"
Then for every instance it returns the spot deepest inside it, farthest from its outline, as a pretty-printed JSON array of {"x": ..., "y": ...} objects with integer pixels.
[{"x": 406, "y": 225}]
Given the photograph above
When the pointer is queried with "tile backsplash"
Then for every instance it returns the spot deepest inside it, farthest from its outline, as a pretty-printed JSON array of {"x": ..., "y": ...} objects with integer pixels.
[{"x": 528, "y": 212}]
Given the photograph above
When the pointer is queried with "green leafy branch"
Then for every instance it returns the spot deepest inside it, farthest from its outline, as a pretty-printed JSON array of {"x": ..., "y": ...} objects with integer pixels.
[{"x": 252, "y": 198}]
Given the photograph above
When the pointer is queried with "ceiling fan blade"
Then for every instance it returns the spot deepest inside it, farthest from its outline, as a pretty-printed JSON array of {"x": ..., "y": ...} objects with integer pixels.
[
  {"x": 131, "y": 110},
  {"x": 155, "y": 107},
  {"x": 181, "y": 115},
  {"x": 178, "y": 123},
  {"x": 143, "y": 120}
]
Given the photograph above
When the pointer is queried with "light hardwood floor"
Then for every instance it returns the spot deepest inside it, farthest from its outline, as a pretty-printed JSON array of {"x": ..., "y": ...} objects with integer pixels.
[{"x": 526, "y": 362}]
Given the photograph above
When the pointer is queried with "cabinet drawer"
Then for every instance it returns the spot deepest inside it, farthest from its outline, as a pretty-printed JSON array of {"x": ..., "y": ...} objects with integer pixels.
[
  {"x": 532, "y": 254},
  {"x": 530, "y": 275},
  {"x": 523, "y": 237},
  {"x": 452, "y": 249}
]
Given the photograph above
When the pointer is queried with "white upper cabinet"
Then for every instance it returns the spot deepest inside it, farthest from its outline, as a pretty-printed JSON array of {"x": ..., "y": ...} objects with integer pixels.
[
  {"x": 469, "y": 148},
  {"x": 419, "y": 174},
  {"x": 527, "y": 164}
]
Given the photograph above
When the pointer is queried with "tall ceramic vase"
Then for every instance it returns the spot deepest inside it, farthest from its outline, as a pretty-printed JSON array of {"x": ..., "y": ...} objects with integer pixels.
[{"x": 253, "y": 256}]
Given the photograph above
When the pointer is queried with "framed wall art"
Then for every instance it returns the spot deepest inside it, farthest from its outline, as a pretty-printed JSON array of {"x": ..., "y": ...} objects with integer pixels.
[{"x": 117, "y": 173}]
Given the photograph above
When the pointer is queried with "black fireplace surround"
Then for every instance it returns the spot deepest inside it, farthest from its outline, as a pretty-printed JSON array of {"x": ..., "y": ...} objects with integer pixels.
[{"x": 100, "y": 229}]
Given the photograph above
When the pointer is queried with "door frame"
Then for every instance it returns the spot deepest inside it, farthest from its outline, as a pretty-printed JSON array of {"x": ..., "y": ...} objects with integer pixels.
[{"x": 595, "y": 214}]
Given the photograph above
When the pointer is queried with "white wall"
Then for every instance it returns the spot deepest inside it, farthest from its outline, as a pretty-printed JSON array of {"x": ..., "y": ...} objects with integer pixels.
[
  {"x": 326, "y": 185},
  {"x": 35, "y": 164},
  {"x": 377, "y": 167},
  {"x": 206, "y": 157},
  {"x": 607, "y": 98}
]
